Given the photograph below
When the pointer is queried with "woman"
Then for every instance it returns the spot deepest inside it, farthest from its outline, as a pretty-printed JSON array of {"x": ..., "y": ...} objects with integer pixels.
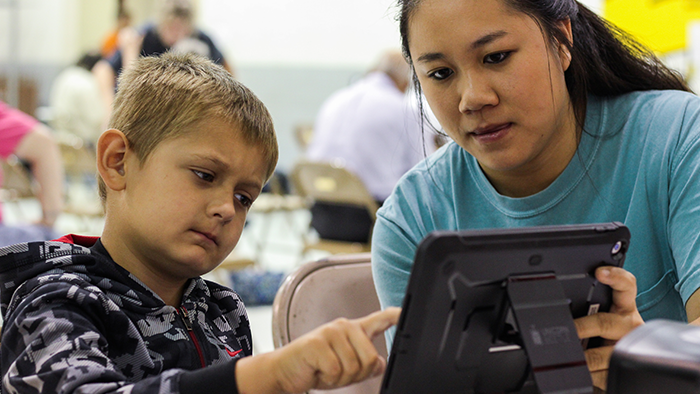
[{"x": 557, "y": 118}]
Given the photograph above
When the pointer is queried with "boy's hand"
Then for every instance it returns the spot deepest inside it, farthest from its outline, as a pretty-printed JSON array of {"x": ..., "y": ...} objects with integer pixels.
[
  {"x": 333, "y": 355},
  {"x": 622, "y": 318}
]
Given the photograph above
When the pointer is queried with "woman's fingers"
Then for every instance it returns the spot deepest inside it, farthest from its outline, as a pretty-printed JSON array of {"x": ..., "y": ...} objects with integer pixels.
[
  {"x": 598, "y": 358},
  {"x": 605, "y": 325},
  {"x": 624, "y": 286},
  {"x": 600, "y": 379},
  {"x": 623, "y": 316}
]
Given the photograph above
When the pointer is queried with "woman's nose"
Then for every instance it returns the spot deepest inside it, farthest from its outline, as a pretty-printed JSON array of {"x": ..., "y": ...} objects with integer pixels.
[{"x": 476, "y": 93}]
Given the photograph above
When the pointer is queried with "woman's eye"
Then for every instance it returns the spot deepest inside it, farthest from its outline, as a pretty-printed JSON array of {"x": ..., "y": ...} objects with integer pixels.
[
  {"x": 245, "y": 200},
  {"x": 496, "y": 58},
  {"x": 440, "y": 74},
  {"x": 205, "y": 176}
]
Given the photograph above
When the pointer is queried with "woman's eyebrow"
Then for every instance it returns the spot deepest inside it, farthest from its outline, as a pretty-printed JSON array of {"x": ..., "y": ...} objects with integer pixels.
[
  {"x": 430, "y": 57},
  {"x": 484, "y": 40},
  {"x": 488, "y": 38}
]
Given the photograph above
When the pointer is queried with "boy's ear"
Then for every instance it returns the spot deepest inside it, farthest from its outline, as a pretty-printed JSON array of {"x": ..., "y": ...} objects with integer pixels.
[{"x": 111, "y": 152}]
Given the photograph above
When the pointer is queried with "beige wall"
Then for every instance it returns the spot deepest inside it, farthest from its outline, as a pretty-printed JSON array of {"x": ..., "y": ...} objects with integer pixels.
[
  {"x": 38, "y": 31},
  {"x": 57, "y": 32},
  {"x": 96, "y": 20}
]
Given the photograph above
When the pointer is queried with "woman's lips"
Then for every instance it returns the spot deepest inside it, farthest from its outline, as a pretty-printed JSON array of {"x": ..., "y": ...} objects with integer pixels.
[{"x": 490, "y": 134}]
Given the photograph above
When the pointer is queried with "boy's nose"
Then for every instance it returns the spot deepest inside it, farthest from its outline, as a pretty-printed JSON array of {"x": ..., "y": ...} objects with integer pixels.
[{"x": 223, "y": 209}]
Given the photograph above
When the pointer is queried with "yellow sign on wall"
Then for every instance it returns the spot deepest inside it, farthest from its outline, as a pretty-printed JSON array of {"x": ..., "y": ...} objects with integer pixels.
[{"x": 659, "y": 24}]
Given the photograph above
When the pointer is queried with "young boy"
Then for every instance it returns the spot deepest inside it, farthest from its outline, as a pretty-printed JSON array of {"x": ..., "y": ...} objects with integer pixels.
[{"x": 188, "y": 152}]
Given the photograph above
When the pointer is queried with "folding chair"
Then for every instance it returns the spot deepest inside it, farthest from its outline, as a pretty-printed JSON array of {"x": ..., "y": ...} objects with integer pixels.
[
  {"x": 82, "y": 199},
  {"x": 325, "y": 182},
  {"x": 79, "y": 160},
  {"x": 321, "y": 291},
  {"x": 17, "y": 185}
]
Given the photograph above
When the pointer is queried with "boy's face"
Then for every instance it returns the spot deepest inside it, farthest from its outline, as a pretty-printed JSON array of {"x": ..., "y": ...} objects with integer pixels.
[{"x": 186, "y": 205}]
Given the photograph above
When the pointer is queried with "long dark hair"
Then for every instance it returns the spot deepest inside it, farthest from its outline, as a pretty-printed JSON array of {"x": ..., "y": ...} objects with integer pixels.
[{"x": 606, "y": 61}]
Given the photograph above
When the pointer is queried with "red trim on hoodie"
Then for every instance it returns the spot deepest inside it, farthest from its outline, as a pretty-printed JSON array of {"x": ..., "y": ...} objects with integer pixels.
[{"x": 82, "y": 240}]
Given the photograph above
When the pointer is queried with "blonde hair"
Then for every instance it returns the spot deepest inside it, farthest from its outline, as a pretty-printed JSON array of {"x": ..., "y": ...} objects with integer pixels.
[{"x": 164, "y": 97}]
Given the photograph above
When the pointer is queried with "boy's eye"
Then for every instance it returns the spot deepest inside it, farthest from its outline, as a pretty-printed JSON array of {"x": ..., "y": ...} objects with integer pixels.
[
  {"x": 496, "y": 58},
  {"x": 205, "y": 176},
  {"x": 440, "y": 74},
  {"x": 245, "y": 200}
]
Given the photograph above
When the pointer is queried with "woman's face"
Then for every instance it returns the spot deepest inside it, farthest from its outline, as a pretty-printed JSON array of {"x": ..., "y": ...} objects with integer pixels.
[{"x": 496, "y": 85}]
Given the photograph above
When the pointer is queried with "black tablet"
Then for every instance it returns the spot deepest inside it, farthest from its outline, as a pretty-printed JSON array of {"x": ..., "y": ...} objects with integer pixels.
[{"x": 491, "y": 311}]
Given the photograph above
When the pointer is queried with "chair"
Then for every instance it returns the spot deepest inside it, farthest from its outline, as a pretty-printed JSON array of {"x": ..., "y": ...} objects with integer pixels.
[
  {"x": 265, "y": 214},
  {"x": 80, "y": 165},
  {"x": 81, "y": 199},
  {"x": 17, "y": 185},
  {"x": 303, "y": 134},
  {"x": 321, "y": 291},
  {"x": 79, "y": 160},
  {"x": 329, "y": 183}
]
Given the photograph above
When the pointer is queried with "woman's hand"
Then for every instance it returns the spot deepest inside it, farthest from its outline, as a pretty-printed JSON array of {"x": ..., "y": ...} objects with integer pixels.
[
  {"x": 622, "y": 318},
  {"x": 334, "y": 355}
]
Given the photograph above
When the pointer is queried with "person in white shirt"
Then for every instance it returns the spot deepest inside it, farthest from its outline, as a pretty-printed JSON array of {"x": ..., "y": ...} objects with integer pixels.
[
  {"x": 75, "y": 101},
  {"x": 370, "y": 128}
]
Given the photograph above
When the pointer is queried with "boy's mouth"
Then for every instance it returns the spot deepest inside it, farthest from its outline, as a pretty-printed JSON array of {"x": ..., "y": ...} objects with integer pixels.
[{"x": 209, "y": 236}]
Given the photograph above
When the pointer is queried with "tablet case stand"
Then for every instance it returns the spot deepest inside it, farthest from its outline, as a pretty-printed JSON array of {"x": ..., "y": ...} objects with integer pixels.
[{"x": 541, "y": 311}]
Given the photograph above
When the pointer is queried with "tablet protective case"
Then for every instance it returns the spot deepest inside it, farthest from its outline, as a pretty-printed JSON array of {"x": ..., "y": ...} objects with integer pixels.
[{"x": 468, "y": 290}]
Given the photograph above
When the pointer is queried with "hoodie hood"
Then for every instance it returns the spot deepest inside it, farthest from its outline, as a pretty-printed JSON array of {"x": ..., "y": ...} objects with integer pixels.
[
  {"x": 76, "y": 321},
  {"x": 26, "y": 261},
  {"x": 27, "y": 265}
]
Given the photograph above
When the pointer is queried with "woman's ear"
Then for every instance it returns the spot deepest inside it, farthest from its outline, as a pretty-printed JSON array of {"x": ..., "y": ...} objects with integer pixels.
[
  {"x": 564, "y": 53},
  {"x": 112, "y": 148}
]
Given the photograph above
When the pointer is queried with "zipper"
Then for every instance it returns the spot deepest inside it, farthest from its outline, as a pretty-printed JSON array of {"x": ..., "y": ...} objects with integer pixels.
[{"x": 186, "y": 319}]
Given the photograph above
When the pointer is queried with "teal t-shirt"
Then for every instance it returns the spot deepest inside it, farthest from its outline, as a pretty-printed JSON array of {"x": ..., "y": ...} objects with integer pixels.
[{"x": 638, "y": 162}]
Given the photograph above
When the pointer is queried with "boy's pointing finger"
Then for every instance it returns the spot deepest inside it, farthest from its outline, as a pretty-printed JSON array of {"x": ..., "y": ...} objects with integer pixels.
[{"x": 377, "y": 322}]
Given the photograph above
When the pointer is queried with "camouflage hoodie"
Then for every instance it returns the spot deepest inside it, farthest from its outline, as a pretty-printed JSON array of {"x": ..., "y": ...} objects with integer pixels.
[{"x": 76, "y": 322}]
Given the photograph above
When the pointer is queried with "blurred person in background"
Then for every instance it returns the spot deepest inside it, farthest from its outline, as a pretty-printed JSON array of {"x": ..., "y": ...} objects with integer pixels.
[
  {"x": 23, "y": 136},
  {"x": 110, "y": 43},
  {"x": 174, "y": 30},
  {"x": 75, "y": 104},
  {"x": 371, "y": 128}
]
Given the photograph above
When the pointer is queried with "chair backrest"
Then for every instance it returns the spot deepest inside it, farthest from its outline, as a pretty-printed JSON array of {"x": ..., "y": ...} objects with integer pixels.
[
  {"x": 16, "y": 180},
  {"x": 326, "y": 182},
  {"x": 78, "y": 159},
  {"x": 322, "y": 291}
]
